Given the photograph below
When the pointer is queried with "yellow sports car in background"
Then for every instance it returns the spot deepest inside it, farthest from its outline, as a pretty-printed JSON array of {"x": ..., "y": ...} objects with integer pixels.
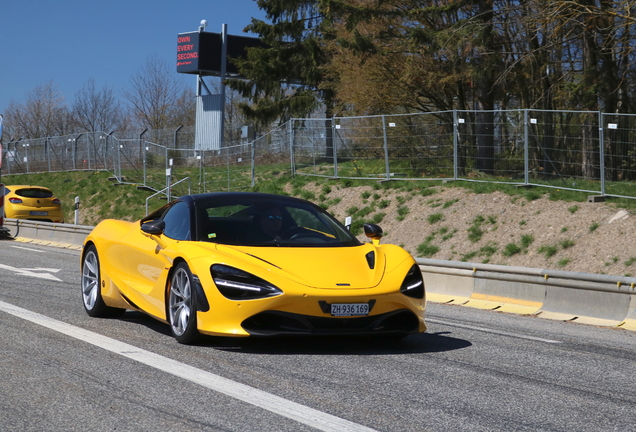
[
  {"x": 250, "y": 264},
  {"x": 32, "y": 202}
]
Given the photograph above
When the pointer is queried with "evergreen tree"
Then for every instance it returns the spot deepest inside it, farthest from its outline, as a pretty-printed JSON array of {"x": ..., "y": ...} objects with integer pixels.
[{"x": 283, "y": 80}]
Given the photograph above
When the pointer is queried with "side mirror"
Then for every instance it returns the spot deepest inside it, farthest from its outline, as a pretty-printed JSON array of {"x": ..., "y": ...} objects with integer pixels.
[
  {"x": 373, "y": 231},
  {"x": 154, "y": 227}
]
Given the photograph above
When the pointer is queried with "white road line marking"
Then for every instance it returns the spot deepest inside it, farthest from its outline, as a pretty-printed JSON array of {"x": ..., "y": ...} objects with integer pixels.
[
  {"x": 278, "y": 405},
  {"x": 482, "y": 329},
  {"x": 29, "y": 249},
  {"x": 26, "y": 272},
  {"x": 42, "y": 269}
]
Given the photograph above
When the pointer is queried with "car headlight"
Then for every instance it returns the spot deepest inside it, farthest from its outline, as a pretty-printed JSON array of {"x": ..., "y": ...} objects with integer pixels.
[
  {"x": 413, "y": 285},
  {"x": 237, "y": 284}
]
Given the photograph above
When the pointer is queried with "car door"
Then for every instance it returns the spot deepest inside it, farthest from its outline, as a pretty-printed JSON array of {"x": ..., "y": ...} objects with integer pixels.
[{"x": 149, "y": 263}]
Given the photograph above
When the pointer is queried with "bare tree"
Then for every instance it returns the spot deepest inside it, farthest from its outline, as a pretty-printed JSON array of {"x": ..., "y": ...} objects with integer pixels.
[
  {"x": 157, "y": 98},
  {"x": 97, "y": 110},
  {"x": 43, "y": 114}
]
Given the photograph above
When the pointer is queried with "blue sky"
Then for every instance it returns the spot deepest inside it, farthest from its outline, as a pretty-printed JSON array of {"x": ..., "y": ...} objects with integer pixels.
[{"x": 69, "y": 42}]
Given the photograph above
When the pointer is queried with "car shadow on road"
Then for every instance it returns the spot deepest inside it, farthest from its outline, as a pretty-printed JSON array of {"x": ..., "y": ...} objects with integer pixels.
[
  {"x": 147, "y": 321},
  {"x": 319, "y": 345},
  {"x": 340, "y": 345}
]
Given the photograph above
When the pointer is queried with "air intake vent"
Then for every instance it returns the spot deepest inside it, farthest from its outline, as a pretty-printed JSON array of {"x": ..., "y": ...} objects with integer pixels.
[{"x": 371, "y": 259}]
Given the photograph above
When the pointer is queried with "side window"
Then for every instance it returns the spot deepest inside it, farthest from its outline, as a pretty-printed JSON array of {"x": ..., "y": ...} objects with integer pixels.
[
  {"x": 306, "y": 219},
  {"x": 177, "y": 221}
]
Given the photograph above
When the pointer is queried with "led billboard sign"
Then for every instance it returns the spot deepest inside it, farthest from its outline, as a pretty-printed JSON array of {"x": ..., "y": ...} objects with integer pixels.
[{"x": 200, "y": 52}]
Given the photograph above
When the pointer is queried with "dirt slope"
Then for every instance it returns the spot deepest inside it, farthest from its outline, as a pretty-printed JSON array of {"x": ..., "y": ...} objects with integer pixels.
[{"x": 497, "y": 228}]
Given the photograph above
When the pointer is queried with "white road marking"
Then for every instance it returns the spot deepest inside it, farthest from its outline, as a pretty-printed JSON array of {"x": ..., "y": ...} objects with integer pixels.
[
  {"x": 278, "y": 405},
  {"x": 28, "y": 272},
  {"x": 29, "y": 249},
  {"x": 482, "y": 329},
  {"x": 42, "y": 269}
]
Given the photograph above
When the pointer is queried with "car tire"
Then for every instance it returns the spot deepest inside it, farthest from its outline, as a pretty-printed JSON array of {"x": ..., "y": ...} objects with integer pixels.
[
  {"x": 182, "y": 313},
  {"x": 92, "y": 289}
]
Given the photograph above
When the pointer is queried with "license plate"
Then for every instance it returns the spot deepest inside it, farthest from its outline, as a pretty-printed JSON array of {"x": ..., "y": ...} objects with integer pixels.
[
  {"x": 350, "y": 309},
  {"x": 36, "y": 213}
]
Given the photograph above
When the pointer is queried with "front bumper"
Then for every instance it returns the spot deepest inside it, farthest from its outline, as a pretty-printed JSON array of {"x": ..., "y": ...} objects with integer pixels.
[{"x": 278, "y": 323}]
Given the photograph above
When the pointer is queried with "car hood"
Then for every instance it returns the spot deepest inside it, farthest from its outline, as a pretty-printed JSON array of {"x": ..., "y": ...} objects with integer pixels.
[{"x": 330, "y": 268}]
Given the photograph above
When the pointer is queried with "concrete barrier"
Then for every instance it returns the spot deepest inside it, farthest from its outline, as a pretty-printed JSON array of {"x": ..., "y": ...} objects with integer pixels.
[
  {"x": 588, "y": 298},
  {"x": 48, "y": 232},
  {"x": 629, "y": 323},
  {"x": 451, "y": 285}
]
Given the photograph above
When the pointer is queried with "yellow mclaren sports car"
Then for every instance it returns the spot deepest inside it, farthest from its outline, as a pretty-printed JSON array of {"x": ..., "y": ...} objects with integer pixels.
[{"x": 251, "y": 264}]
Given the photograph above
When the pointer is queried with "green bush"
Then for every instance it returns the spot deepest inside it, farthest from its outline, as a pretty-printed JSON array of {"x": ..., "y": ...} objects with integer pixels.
[
  {"x": 449, "y": 203},
  {"x": 548, "y": 250},
  {"x": 427, "y": 250},
  {"x": 630, "y": 261},
  {"x": 402, "y": 212},
  {"x": 526, "y": 240},
  {"x": 511, "y": 249},
  {"x": 475, "y": 233},
  {"x": 378, "y": 217},
  {"x": 384, "y": 204},
  {"x": 435, "y": 217}
]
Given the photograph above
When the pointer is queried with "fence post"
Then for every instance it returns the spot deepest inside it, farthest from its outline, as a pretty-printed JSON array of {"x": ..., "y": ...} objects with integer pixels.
[
  {"x": 526, "y": 151},
  {"x": 253, "y": 154},
  {"x": 74, "y": 151},
  {"x": 168, "y": 174},
  {"x": 201, "y": 179},
  {"x": 601, "y": 150},
  {"x": 47, "y": 152},
  {"x": 7, "y": 153},
  {"x": 119, "y": 148},
  {"x": 75, "y": 144},
  {"x": 176, "y": 137},
  {"x": 229, "y": 176},
  {"x": 335, "y": 147},
  {"x": 205, "y": 187},
  {"x": 142, "y": 150},
  {"x": 88, "y": 149},
  {"x": 292, "y": 161},
  {"x": 386, "y": 149},
  {"x": 455, "y": 145}
]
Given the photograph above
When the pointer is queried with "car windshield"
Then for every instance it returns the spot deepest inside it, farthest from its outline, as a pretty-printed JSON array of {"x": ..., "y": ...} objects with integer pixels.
[{"x": 281, "y": 222}]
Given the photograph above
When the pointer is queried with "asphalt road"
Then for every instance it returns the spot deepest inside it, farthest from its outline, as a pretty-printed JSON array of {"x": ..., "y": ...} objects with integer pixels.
[{"x": 474, "y": 370}]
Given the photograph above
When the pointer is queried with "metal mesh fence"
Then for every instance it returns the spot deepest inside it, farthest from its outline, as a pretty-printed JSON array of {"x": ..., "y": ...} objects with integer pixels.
[
  {"x": 489, "y": 143},
  {"x": 587, "y": 151},
  {"x": 564, "y": 149},
  {"x": 619, "y": 154}
]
